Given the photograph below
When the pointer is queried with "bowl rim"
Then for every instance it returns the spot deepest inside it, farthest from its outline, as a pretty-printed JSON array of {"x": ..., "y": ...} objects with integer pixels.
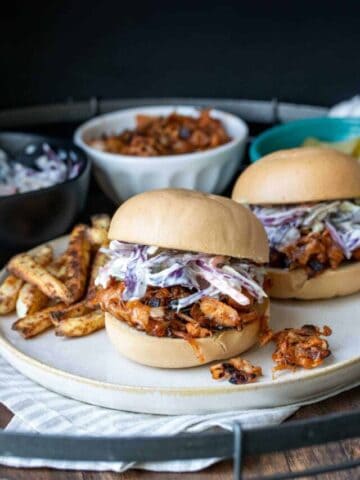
[
  {"x": 55, "y": 140},
  {"x": 79, "y": 132},
  {"x": 254, "y": 153}
]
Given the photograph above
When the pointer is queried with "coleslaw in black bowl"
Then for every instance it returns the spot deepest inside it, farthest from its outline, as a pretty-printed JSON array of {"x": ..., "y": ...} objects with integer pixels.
[{"x": 43, "y": 187}]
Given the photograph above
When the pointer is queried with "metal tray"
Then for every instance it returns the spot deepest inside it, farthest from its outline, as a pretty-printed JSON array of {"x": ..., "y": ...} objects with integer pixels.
[{"x": 60, "y": 119}]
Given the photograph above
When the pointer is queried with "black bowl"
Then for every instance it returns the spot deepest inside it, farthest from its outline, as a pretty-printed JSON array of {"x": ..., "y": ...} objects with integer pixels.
[{"x": 31, "y": 218}]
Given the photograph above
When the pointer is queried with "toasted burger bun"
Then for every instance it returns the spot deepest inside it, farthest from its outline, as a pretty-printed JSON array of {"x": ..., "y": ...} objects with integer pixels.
[
  {"x": 164, "y": 352},
  {"x": 191, "y": 221},
  {"x": 298, "y": 175},
  {"x": 331, "y": 283}
]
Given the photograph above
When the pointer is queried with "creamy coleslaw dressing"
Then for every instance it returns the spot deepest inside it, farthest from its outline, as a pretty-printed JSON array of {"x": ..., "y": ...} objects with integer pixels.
[
  {"x": 283, "y": 224},
  {"x": 51, "y": 168},
  {"x": 140, "y": 266}
]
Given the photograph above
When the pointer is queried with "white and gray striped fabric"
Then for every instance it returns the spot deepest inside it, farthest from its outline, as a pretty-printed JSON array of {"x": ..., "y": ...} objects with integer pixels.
[{"x": 38, "y": 410}]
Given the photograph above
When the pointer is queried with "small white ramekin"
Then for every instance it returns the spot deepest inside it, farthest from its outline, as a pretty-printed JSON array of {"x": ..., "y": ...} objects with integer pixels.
[{"x": 121, "y": 176}]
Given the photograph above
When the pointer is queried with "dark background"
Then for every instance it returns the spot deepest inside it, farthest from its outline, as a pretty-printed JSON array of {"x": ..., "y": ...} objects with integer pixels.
[{"x": 297, "y": 51}]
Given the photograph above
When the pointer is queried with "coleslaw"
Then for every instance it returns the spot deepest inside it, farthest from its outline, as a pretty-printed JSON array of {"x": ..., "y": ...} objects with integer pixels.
[
  {"x": 140, "y": 266},
  {"x": 51, "y": 167},
  {"x": 341, "y": 218}
]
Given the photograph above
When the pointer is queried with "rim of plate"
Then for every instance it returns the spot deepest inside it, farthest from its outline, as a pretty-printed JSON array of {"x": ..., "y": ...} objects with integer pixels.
[{"x": 185, "y": 391}]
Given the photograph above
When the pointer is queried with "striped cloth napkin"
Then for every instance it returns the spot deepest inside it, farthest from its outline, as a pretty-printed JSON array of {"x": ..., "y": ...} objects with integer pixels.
[{"x": 37, "y": 410}]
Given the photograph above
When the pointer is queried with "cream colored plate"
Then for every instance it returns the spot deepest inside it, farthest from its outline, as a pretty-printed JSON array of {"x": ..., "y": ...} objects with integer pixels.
[{"x": 90, "y": 370}]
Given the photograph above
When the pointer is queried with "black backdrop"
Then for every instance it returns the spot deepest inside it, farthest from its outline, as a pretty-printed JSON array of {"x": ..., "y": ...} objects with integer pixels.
[{"x": 299, "y": 51}]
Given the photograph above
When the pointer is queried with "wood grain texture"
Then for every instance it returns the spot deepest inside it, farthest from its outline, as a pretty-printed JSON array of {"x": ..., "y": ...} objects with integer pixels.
[
  {"x": 5, "y": 416},
  {"x": 300, "y": 459}
]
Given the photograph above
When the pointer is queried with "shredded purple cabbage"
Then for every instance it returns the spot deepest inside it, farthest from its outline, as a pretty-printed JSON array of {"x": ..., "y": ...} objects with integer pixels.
[
  {"x": 51, "y": 168},
  {"x": 140, "y": 266},
  {"x": 283, "y": 224}
]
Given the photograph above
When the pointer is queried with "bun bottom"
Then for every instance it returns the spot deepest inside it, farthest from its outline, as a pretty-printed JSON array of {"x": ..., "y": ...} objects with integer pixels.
[
  {"x": 332, "y": 283},
  {"x": 175, "y": 352}
]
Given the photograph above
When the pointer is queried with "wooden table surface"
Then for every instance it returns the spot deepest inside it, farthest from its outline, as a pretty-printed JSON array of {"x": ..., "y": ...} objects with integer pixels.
[{"x": 260, "y": 465}]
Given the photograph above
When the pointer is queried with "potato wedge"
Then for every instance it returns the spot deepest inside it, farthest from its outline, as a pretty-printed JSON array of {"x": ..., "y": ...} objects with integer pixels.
[
  {"x": 32, "y": 325},
  {"x": 43, "y": 255},
  {"x": 97, "y": 237},
  {"x": 11, "y": 286},
  {"x": 99, "y": 261},
  {"x": 81, "y": 326},
  {"x": 26, "y": 268},
  {"x": 76, "y": 310},
  {"x": 97, "y": 233},
  {"x": 57, "y": 268},
  {"x": 77, "y": 262},
  {"x": 9, "y": 291},
  {"x": 101, "y": 220},
  {"x": 30, "y": 300}
]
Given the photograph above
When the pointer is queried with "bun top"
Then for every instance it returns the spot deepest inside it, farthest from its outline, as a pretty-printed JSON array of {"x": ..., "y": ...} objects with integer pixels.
[
  {"x": 192, "y": 221},
  {"x": 306, "y": 174}
]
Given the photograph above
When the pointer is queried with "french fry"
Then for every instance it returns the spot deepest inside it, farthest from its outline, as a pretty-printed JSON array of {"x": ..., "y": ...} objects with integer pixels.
[
  {"x": 43, "y": 255},
  {"x": 97, "y": 233},
  {"x": 9, "y": 291},
  {"x": 76, "y": 310},
  {"x": 81, "y": 326},
  {"x": 97, "y": 237},
  {"x": 30, "y": 299},
  {"x": 12, "y": 285},
  {"x": 39, "y": 279},
  {"x": 32, "y": 325},
  {"x": 77, "y": 261},
  {"x": 101, "y": 220},
  {"x": 26, "y": 268},
  {"x": 57, "y": 268},
  {"x": 99, "y": 261}
]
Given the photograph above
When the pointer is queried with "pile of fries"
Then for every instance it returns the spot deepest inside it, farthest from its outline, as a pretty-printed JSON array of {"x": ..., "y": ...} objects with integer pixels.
[{"x": 59, "y": 293}]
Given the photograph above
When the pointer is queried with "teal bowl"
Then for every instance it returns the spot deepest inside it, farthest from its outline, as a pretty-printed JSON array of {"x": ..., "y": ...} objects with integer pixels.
[{"x": 292, "y": 134}]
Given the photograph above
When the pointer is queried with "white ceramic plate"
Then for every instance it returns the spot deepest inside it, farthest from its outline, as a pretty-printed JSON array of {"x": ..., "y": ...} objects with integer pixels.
[{"x": 89, "y": 369}]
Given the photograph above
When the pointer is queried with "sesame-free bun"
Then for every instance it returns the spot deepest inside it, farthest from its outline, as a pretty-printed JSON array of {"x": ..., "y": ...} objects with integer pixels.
[
  {"x": 165, "y": 352},
  {"x": 342, "y": 281},
  {"x": 298, "y": 175},
  {"x": 191, "y": 221}
]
